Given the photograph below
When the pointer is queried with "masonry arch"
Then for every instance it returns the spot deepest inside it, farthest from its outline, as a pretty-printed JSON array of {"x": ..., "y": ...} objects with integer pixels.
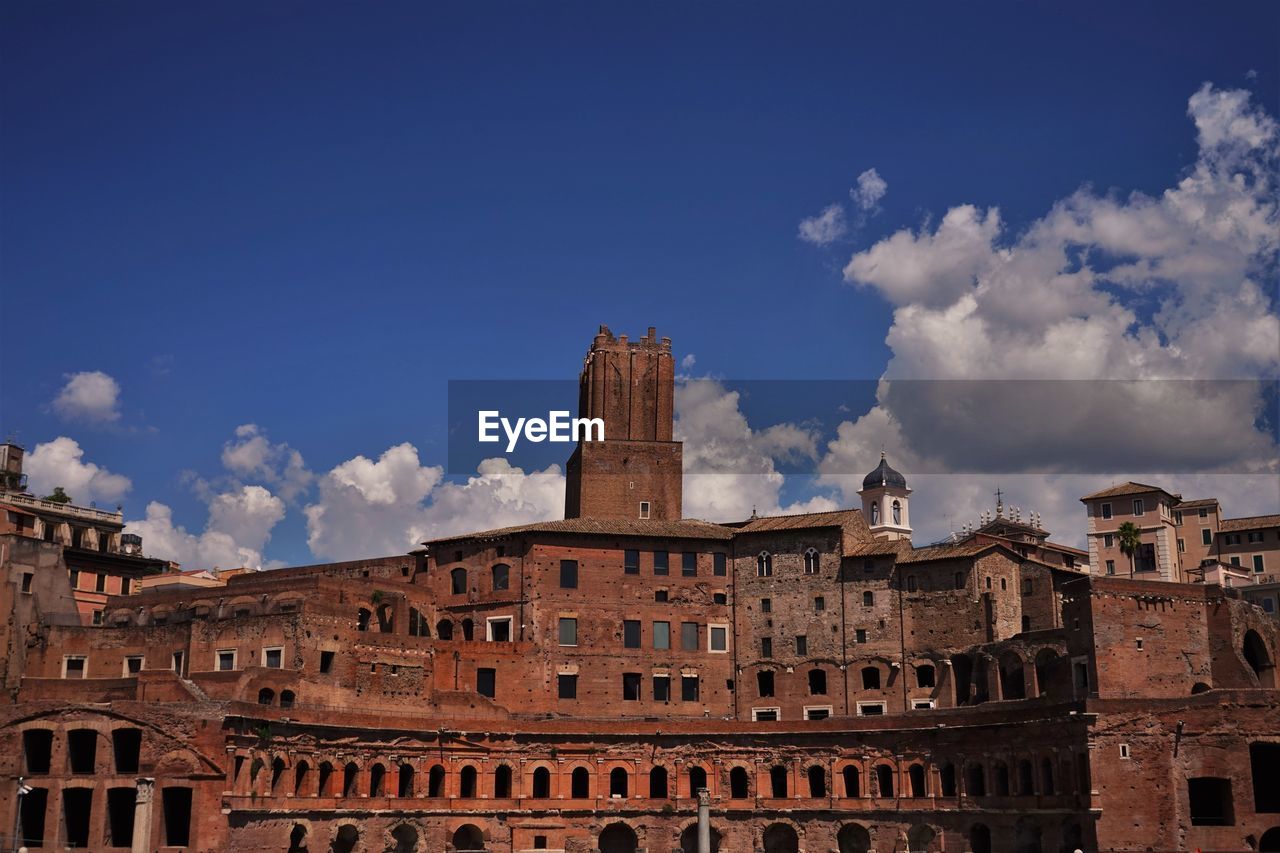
[
  {"x": 919, "y": 837},
  {"x": 778, "y": 781},
  {"x": 884, "y": 780},
  {"x": 781, "y": 838},
  {"x": 1270, "y": 841},
  {"x": 697, "y": 779},
  {"x": 1027, "y": 837},
  {"x": 975, "y": 780},
  {"x": 324, "y": 781},
  {"x": 502, "y": 781},
  {"x": 1026, "y": 782},
  {"x": 1000, "y": 779},
  {"x": 345, "y": 838},
  {"x": 962, "y": 677},
  {"x": 852, "y": 778},
  {"x": 816, "y": 776},
  {"x": 363, "y": 615},
  {"x": 1013, "y": 683},
  {"x": 916, "y": 780},
  {"x": 1259, "y": 658},
  {"x": 980, "y": 838},
  {"x": 541, "y": 783},
  {"x": 301, "y": 775},
  {"x": 404, "y": 839},
  {"x": 1051, "y": 678},
  {"x": 444, "y": 630},
  {"x": 739, "y": 783},
  {"x": 468, "y": 837},
  {"x": 350, "y": 773},
  {"x": 298, "y": 839},
  {"x": 377, "y": 780},
  {"x": 658, "y": 783},
  {"x": 619, "y": 783},
  {"x": 435, "y": 781},
  {"x": 854, "y": 838},
  {"x": 404, "y": 780},
  {"x": 580, "y": 783},
  {"x": 468, "y": 778},
  {"x": 689, "y": 839},
  {"x": 618, "y": 838}
]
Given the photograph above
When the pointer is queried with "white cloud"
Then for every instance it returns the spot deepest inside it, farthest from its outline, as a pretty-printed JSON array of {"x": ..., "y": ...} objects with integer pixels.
[
  {"x": 389, "y": 505},
  {"x": 825, "y": 228},
  {"x": 688, "y": 362},
  {"x": 238, "y": 528},
  {"x": 1101, "y": 288},
  {"x": 870, "y": 189},
  {"x": 91, "y": 396},
  {"x": 252, "y": 456},
  {"x": 61, "y": 463}
]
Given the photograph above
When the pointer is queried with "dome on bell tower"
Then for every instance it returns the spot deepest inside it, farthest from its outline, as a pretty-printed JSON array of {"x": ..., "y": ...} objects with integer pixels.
[{"x": 883, "y": 475}]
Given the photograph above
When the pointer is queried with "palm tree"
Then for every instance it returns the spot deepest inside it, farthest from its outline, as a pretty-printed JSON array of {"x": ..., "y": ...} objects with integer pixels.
[{"x": 1130, "y": 541}]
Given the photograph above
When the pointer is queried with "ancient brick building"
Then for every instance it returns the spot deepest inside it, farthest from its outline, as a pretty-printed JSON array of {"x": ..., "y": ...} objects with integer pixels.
[{"x": 571, "y": 685}]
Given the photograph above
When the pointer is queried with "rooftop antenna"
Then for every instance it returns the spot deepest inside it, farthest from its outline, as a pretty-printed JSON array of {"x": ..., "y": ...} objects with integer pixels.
[{"x": 999, "y": 502}]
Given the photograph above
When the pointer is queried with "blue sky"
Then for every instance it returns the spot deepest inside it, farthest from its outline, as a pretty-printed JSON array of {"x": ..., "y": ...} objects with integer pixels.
[{"x": 310, "y": 217}]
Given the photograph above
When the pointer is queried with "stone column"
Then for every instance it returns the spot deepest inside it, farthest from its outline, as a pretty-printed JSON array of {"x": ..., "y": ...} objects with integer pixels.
[
  {"x": 704, "y": 821},
  {"x": 142, "y": 815}
]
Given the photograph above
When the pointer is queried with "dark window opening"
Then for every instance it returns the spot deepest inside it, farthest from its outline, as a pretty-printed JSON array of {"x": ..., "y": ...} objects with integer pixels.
[
  {"x": 976, "y": 781},
  {"x": 631, "y": 634},
  {"x": 689, "y": 689},
  {"x": 468, "y": 630},
  {"x": 568, "y": 574},
  {"x": 1000, "y": 782},
  {"x": 266, "y": 696},
  {"x": 818, "y": 682},
  {"x": 539, "y": 842},
  {"x": 177, "y": 816},
  {"x": 37, "y": 746},
  {"x": 567, "y": 686},
  {"x": 915, "y": 777},
  {"x": 925, "y": 675},
  {"x": 658, "y": 783},
  {"x": 689, "y": 564},
  {"x": 541, "y": 783},
  {"x": 631, "y": 686},
  {"x": 287, "y": 698},
  {"x": 404, "y": 781},
  {"x": 467, "y": 782},
  {"x": 82, "y": 749},
  {"x": 126, "y": 744},
  {"x": 31, "y": 817},
  {"x": 435, "y": 782},
  {"x": 870, "y": 678},
  {"x": 486, "y": 682},
  {"x": 852, "y": 781},
  {"x": 349, "y": 774},
  {"x": 300, "y": 778},
  {"x": 884, "y": 780},
  {"x": 1046, "y": 780},
  {"x": 363, "y": 615},
  {"x": 778, "y": 782},
  {"x": 444, "y": 630},
  {"x": 947, "y": 780},
  {"x": 631, "y": 562},
  {"x": 764, "y": 680},
  {"x": 501, "y": 577},
  {"x": 817, "y": 781},
  {"x": 502, "y": 782},
  {"x": 661, "y": 563},
  {"x": 689, "y": 636},
  {"x": 618, "y": 783},
  {"x": 77, "y": 808},
  {"x": 697, "y": 780},
  {"x": 1210, "y": 802},
  {"x": 324, "y": 782},
  {"x": 739, "y": 784},
  {"x": 458, "y": 581},
  {"x": 1264, "y": 761},
  {"x": 662, "y": 688},
  {"x": 802, "y": 645},
  {"x": 719, "y": 565},
  {"x": 580, "y": 784},
  {"x": 326, "y": 662},
  {"x": 377, "y": 777}
]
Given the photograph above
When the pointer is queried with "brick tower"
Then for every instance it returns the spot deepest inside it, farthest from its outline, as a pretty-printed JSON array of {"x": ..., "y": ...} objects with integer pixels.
[{"x": 636, "y": 471}]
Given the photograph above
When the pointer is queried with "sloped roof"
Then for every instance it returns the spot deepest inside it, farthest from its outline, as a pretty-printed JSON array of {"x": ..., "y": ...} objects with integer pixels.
[
  {"x": 1129, "y": 488},
  {"x": 1197, "y": 503},
  {"x": 1253, "y": 522},
  {"x": 949, "y": 551},
  {"x": 799, "y": 521},
  {"x": 658, "y": 528}
]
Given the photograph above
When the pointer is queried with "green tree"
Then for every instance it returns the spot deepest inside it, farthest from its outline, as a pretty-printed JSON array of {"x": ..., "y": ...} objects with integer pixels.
[
  {"x": 59, "y": 496},
  {"x": 1130, "y": 541}
]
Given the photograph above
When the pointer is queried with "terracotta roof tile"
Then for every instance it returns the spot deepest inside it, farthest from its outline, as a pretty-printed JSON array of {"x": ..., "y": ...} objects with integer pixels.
[
  {"x": 1253, "y": 522},
  {"x": 683, "y": 529},
  {"x": 1129, "y": 488}
]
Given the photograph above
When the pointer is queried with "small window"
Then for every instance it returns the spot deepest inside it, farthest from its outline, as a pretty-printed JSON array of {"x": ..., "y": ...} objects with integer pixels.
[
  {"x": 921, "y": 704},
  {"x": 226, "y": 660},
  {"x": 132, "y": 665},
  {"x": 1258, "y": 567},
  {"x": 74, "y": 666},
  {"x": 661, "y": 688},
  {"x": 498, "y": 629},
  {"x": 868, "y": 599},
  {"x": 689, "y": 636},
  {"x": 568, "y": 632},
  {"x": 766, "y": 647},
  {"x": 911, "y": 583},
  {"x": 644, "y": 509},
  {"x": 766, "y": 715},
  {"x": 689, "y": 564},
  {"x": 567, "y": 686},
  {"x": 819, "y": 713},
  {"x": 1124, "y": 751},
  {"x": 764, "y": 565},
  {"x": 501, "y": 577},
  {"x": 719, "y": 565},
  {"x": 26, "y": 581},
  {"x": 177, "y": 662},
  {"x": 860, "y": 635},
  {"x": 925, "y": 675},
  {"x": 75, "y": 578},
  {"x": 811, "y": 561},
  {"x": 326, "y": 662},
  {"x": 1106, "y": 510},
  {"x": 661, "y": 563},
  {"x": 1111, "y": 567},
  {"x": 568, "y": 574},
  {"x": 719, "y": 638},
  {"x": 631, "y": 634},
  {"x": 631, "y": 686},
  {"x": 458, "y": 581},
  {"x": 719, "y": 598},
  {"x": 764, "y": 683},
  {"x": 689, "y": 688},
  {"x": 662, "y": 635},
  {"x": 1138, "y": 507},
  {"x": 101, "y": 584},
  {"x": 870, "y": 709},
  {"x": 870, "y": 678},
  {"x": 661, "y": 596},
  {"x": 819, "y": 603},
  {"x": 631, "y": 562},
  {"x": 273, "y": 658},
  {"x": 818, "y": 682},
  {"x": 97, "y": 616},
  {"x": 1028, "y": 586},
  {"x": 766, "y": 605},
  {"x": 802, "y": 645},
  {"x": 486, "y": 682},
  {"x": 1182, "y": 546},
  {"x": 1108, "y": 540},
  {"x": 959, "y": 580}
]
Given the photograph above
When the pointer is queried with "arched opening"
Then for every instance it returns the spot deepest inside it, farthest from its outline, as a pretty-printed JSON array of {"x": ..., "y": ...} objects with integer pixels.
[
  {"x": 377, "y": 780},
  {"x": 287, "y": 699},
  {"x": 778, "y": 782},
  {"x": 363, "y": 615},
  {"x": 817, "y": 682},
  {"x": 468, "y": 630},
  {"x": 541, "y": 783},
  {"x": 884, "y": 780},
  {"x": 467, "y": 782},
  {"x": 817, "y": 778},
  {"x": 926, "y": 675},
  {"x": 1048, "y": 676},
  {"x": 947, "y": 779},
  {"x": 298, "y": 839},
  {"x": 915, "y": 778},
  {"x": 618, "y": 838},
  {"x": 739, "y": 784},
  {"x": 764, "y": 565},
  {"x": 502, "y": 782},
  {"x": 405, "y": 838},
  {"x": 266, "y": 696},
  {"x": 871, "y": 678},
  {"x": 1000, "y": 779},
  {"x": 468, "y": 837},
  {"x": 1270, "y": 841},
  {"x": 1259, "y": 660},
  {"x": 852, "y": 781},
  {"x": 697, "y": 779},
  {"x": 980, "y": 838},
  {"x": 404, "y": 781},
  {"x": 897, "y": 513},
  {"x": 780, "y": 838},
  {"x": 1046, "y": 777},
  {"x": 349, "y": 775},
  {"x": 346, "y": 839},
  {"x": 1200, "y": 687},
  {"x": 386, "y": 619},
  {"x": 618, "y": 783},
  {"x": 961, "y": 677},
  {"x": 1026, "y": 837},
  {"x": 324, "y": 782},
  {"x": 919, "y": 837},
  {"x": 444, "y": 629},
  {"x": 975, "y": 781},
  {"x": 501, "y": 577},
  {"x": 854, "y": 838},
  {"x": 1012, "y": 682},
  {"x": 875, "y": 513},
  {"x": 1026, "y": 786},
  {"x": 300, "y": 778},
  {"x": 658, "y": 783},
  {"x": 981, "y": 692},
  {"x": 435, "y": 781},
  {"x": 1072, "y": 835},
  {"x": 689, "y": 839},
  {"x": 458, "y": 581},
  {"x": 580, "y": 783},
  {"x": 811, "y": 561},
  {"x": 277, "y": 772}
]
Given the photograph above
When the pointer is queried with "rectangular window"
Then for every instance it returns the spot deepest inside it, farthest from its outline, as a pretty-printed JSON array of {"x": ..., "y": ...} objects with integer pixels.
[
  {"x": 764, "y": 682},
  {"x": 132, "y": 665},
  {"x": 1027, "y": 586},
  {"x": 226, "y": 660},
  {"x": 567, "y": 686},
  {"x": 631, "y": 634},
  {"x": 631, "y": 562},
  {"x": 568, "y": 574},
  {"x": 1182, "y": 546},
  {"x": 921, "y": 704},
  {"x": 661, "y": 563},
  {"x": 766, "y": 647},
  {"x": 719, "y": 565},
  {"x": 661, "y": 688},
  {"x": 661, "y": 596},
  {"x": 487, "y": 682},
  {"x": 689, "y": 636},
  {"x": 74, "y": 666},
  {"x": 1108, "y": 540},
  {"x": 802, "y": 645},
  {"x": 719, "y": 598},
  {"x": 97, "y": 616},
  {"x": 719, "y": 638},
  {"x": 1204, "y": 512},
  {"x": 1235, "y": 561},
  {"x": 689, "y": 564},
  {"x": 644, "y": 509},
  {"x": 1257, "y": 563},
  {"x": 819, "y": 604},
  {"x": 766, "y": 715},
  {"x": 568, "y": 632},
  {"x": 177, "y": 662},
  {"x": 100, "y": 585},
  {"x": 689, "y": 688},
  {"x": 662, "y": 635},
  {"x": 860, "y": 635},
  {"x": 818, "y": 713},
  {"x": 1106, "y": 510},
  {"x": 631, "y": 686},
  {"x": 498, "y": 629},
  {"x": 870, "y": 709},
  {"x": 326, "y": 662},
  {"x": 75, "y": 579},
  {"x": 1111, "y": 567},
  {"x": 1138, "y": 507},
  {"x": 273, "y": 658},
  {"x": 26, "y": 581},
  {"x": 766, "y": 605},
  {"x": 1255, "y": 536},
  {"x": 1177, "y": 517}
]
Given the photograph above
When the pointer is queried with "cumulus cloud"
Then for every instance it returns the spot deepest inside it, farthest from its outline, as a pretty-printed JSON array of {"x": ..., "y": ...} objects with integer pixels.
[
  {"x": 389, "y": 505},
  {"x": 870, "y": 189},
  {"x": 238, "y": 528},
  {"x": 90, "y": 396},
  {"x": 1092, "y": 346},
  {"x": 827, "y": 227},
  {"x": 61, "y": 463},
  {"x": 251, "y": 455}
]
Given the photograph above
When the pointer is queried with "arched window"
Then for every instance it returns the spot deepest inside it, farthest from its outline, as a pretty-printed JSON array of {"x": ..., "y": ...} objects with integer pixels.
[
  {"x": 817, "y": 781},
  {"x": 324, "y": 782},
  {"x": 868, "y": 598},
  {"x": 811, "y": 561},
  {"x": 853, "y": 781},
  {"x": 618, "y": 783},
  {"x": 287, "y": 699},
  {"x": 897, "y": 513},
  {"x": 467, "y": 782},
  {"x": 468, "y": 630},
  {"x": 363, "y": 615},
  {"x": 349, "y": 775},
  {"x": 778, "y": 781},
  {"x": 697, "y": 779},
  {"x": 277, "y": 771},
  {"x": 947, "y": 780},
  {"x": 658, "y": 783},
  {"x": 444, "y": 629},
  {"x": 884, "y": 780},
  {"x": 404, "y": 781},
  {"x": 435, "y": 781},
  {"x": 266, "y": 696},
  {"x": 377, "y": 776},
  {"x": 541, "y": 783},
  {"x": 926, "y": 675},
  {"x": 818, "y": 682},
  {"x": 458, "y": 581},
  {"x": 502, "y": 782},
  {"x": 501, "y": 577},
  {"x": 739, "y": 784},
  {"x": 875, "y": 513},
  {"x": 915, "y": 776},
  {"x": 870, "y": 678},
  {"x": 1000, "y": 779},
  {"x": 764, "y": 565},
  {"x": 1026, "y": 787},
  {"x": 1046, "y": 774},
  {"x": 976, "y": 781},
  {"x": 300, "y": 778},
  {"x": 580, "y": 783}
]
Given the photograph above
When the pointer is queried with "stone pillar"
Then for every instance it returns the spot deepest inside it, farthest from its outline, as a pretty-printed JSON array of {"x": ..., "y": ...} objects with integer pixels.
[
  {"x": 142, "y": 815},
  {"x": 704, "y": 821}
]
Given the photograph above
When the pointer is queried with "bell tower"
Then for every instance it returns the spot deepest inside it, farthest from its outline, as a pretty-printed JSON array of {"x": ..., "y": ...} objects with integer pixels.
[
  {"x": 885, "y": 502},
  {"x": 636, "y": 472}
]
